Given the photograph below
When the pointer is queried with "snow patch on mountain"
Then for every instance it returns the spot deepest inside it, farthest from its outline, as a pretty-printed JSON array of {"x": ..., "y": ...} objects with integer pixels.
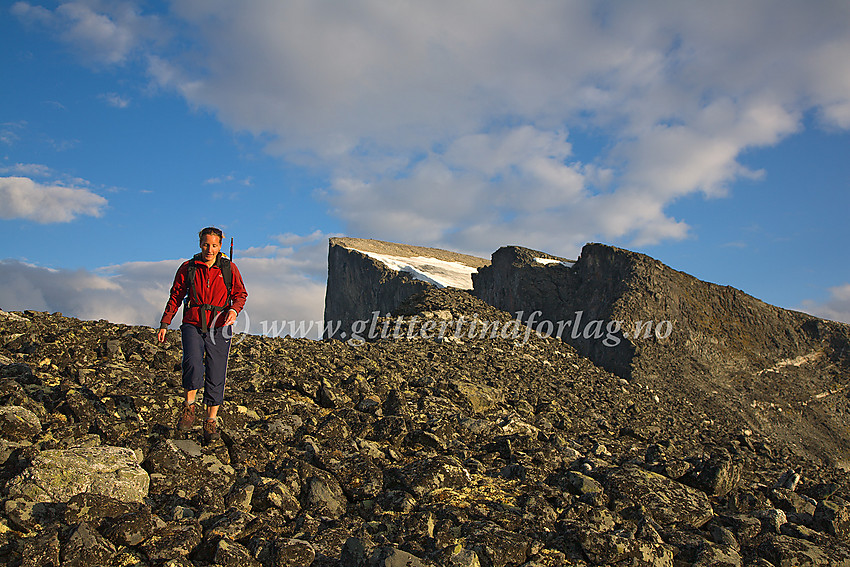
[{"x": 441, "y": 273}]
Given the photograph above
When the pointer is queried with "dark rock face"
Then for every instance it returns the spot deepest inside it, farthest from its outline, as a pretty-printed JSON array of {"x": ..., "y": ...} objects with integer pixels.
[
  {"x": 644, "y": 321},
  {"x": 460, "y": 449},
  {"x": 359, "y": 285}
]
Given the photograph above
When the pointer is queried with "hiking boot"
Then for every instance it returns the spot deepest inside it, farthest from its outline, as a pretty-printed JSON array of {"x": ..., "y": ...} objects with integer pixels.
[
  {"x": 210, "y": 432},
  {"x": 187, "y": 418}
]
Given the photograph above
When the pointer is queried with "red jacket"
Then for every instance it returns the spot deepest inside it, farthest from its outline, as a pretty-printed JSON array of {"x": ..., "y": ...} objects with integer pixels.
[{"x": 209, "y": 285}]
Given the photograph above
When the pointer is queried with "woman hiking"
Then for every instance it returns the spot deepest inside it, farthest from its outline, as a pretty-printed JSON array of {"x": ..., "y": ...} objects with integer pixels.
[{"x": 215, "y": 294}]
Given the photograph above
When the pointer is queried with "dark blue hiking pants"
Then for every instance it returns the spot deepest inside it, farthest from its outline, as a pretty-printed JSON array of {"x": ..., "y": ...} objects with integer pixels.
[{"x": 205, "y": 361}]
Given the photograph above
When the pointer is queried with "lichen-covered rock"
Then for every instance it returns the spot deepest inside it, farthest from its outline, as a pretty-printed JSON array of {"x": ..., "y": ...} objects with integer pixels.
[
  {"x": 497, "y": 547},
  {"x": 610, "y": 549},
  {"x": 293, "y": 553},
  {"x": 392, "y": 557},
  {"x": 833, "y": 517},
  {"x": 668, "y": 501},
  {"x": 18, "y": 423},
  {"x": 173, "y": 541},
  {"x": 716, "y": 475},
  {"x": 85, "y": 547},
  {"x": 131, "y": 528},
  {"x": 95, "y": 509},
  {"x": 785, "y": 551},
  {"x": 57, "y": 475},
  {"x": 43, "y": 549},
  {"x": 424, "y": 475},
  {"x": 712, "y": 555},
  {"x": 480, "y": 397},
  {"x": 232, "y": 554},
  {"x": 359, "y": 477},
  {"x": 182, "y": 465}
]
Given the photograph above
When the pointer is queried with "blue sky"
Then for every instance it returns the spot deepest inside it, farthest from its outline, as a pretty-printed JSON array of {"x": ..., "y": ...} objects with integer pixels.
[{"x": 712, "y": 136}]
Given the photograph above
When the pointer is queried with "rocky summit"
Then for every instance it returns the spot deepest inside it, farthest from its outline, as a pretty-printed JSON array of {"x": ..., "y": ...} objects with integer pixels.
[{"x": 446, "y": 434}]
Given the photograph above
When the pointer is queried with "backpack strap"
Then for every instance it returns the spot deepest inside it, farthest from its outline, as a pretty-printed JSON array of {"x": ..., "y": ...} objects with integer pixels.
[
  {"x": 192, "y": 299},
  {"x": 227, "y": 274}
]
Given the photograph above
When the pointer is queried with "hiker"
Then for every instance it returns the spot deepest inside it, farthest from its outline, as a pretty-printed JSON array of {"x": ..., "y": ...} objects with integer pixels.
[{"x": 215, "y": 295}]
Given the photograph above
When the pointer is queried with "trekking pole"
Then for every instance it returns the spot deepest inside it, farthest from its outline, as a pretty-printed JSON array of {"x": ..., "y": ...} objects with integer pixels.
[{"x": 231, "y": 248}]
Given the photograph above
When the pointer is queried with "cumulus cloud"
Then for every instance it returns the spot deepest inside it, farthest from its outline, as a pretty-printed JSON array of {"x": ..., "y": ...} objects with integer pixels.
[
  {"x": 837, "y": 307},
  {"x": 284, "y": 289},
  {"x": 26, "y": 199},
  {"x": 451, "y": 122},
  {"x": 457, "y": 106},
  {"x": 102, "y": 32}
]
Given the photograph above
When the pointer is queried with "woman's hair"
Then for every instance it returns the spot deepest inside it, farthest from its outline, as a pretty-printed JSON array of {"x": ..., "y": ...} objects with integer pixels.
[{"x": 211, "y": 230}]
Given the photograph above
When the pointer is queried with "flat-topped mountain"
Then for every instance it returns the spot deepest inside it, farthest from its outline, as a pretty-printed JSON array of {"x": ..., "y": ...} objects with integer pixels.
[{"x": 367, "y": 276}]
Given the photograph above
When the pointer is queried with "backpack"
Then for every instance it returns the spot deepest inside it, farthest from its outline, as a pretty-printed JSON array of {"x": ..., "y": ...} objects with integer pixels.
[{"x": 191, "y": 295}]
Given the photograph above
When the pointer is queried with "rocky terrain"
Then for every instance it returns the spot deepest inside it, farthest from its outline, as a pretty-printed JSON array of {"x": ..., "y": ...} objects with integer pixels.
[
  {"x": 783, "y": 371},
  {"x": 417, "y": 448}
]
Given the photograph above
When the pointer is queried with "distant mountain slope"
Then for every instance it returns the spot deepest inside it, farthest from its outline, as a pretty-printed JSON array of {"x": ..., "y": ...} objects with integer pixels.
[{"x": 715, "y": 346}]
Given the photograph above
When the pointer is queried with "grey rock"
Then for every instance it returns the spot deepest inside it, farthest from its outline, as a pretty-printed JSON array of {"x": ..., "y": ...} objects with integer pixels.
[
  {"x": 833, "y": 517},
  {"x": 293, "y": 553},
  {"x": 272, "y": 493},
  {"x": 325, "y": 495},
  {"x": 240, "y": 497},
  {"x": 463, "y": 558},
  {"x": 18, "y": 423},
  {"x": 668, "y": 501},
  {"x": 424, "y": 475},
  {"x": 85, "y": 547},
  {"x": 772, "y": 520},
  {"x": 57, "y": 475},
  {"x": 716, "y": 475},
  {"x": 232, "y": 554},
  {"x": 173, "y": 541},
  {"x": 392, "y": 557},
  {"x": 581, "y": 484},
  {"x": 610, "y": 549},
  {"x": 784, "y": 551},
  {"x": 712, "y": 555}
]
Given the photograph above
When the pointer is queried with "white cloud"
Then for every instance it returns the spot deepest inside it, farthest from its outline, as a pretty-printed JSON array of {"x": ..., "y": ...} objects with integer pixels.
[
  {"x": 246, "y": 181},
  {"x": 102, "y": 32},
  {"x": 24, "y": 198},
  {"x": 458, "y": 124},
  {"x": 28, "y": 169},
  {"x": 444, "y": 121},
  {"x": 9, "y": 132},
  {"x": 115, "y": 100},
  {"x": 837, "y": 307}
]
